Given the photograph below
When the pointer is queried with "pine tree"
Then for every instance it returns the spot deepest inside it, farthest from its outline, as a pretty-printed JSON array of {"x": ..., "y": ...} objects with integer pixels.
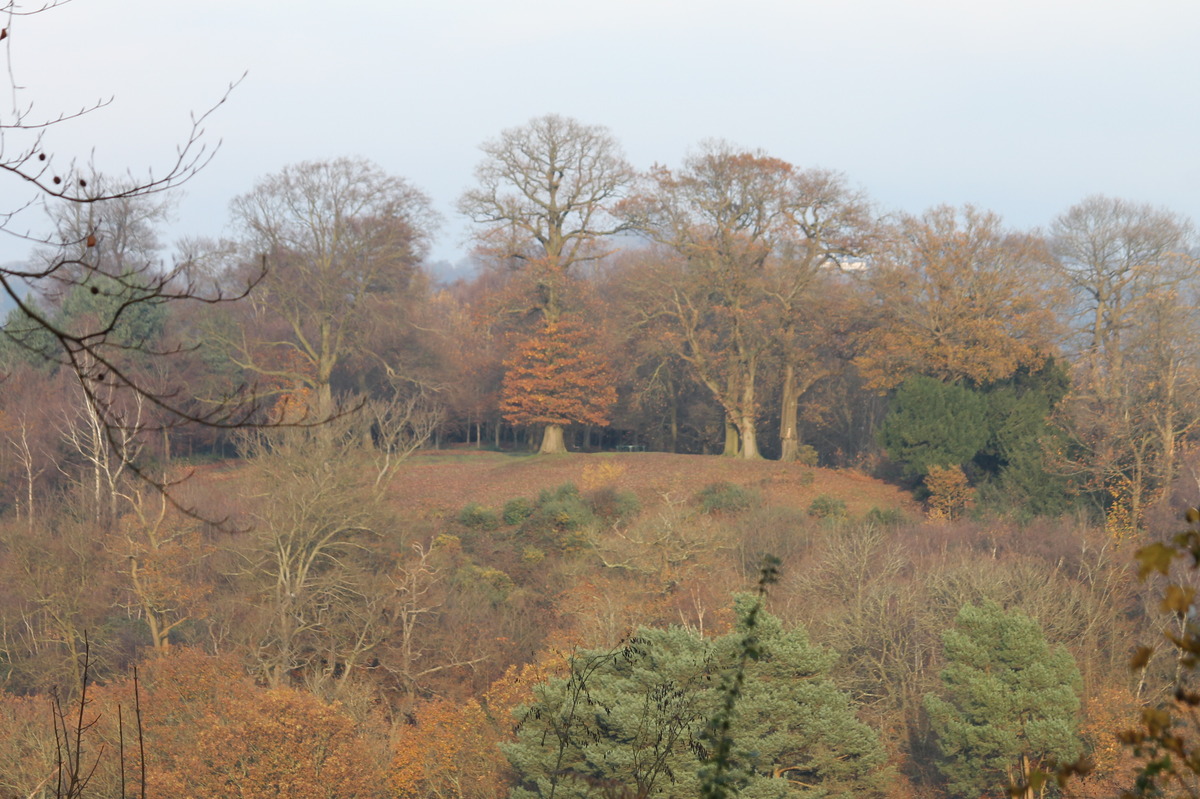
[
  {"x": 1009, "y": 702},
  {"x": 932, "y": 423},
  {"x": 632, "y": 721}
]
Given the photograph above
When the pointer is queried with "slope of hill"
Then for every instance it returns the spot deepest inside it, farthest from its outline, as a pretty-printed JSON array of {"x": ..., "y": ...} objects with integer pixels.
[{"x": 437, "y": 482}]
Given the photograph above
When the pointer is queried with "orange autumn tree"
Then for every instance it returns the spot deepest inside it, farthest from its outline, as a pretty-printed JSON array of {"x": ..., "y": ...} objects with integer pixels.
[
  {"x": 959, "y": 298},
  {"x": 450, "y": 751},
  {"x": 210, "y": 731},
  {"x": 555, "y": 379}
]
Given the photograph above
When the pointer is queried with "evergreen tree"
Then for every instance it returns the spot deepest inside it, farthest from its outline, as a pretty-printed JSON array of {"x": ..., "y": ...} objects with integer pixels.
[
  {"x": 796, "y": 730},
  {"x": 26, "y": 341},
  {"x": 631, "y": 721},
  {"x": 998, "y": 431},
  {"x": 120, "y": 317},
  {"x": 1009, "y": 702},
  {"x": 932, "y": 423}
]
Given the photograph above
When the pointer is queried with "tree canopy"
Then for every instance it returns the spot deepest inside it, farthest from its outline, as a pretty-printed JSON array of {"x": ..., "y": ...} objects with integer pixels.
[
  {"x": 633, "y": 719},
  {"x": 1009, "y": 701}
]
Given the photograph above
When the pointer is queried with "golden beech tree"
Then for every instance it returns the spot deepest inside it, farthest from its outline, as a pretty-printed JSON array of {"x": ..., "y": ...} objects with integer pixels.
[
  {"x": 959, "y": 297},
  {"x": 556, "y": 378}
]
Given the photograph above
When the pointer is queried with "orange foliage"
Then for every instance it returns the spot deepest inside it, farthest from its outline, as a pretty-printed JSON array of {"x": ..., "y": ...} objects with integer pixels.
[
  {"x": 515, "y": 688},
  {"x": 950, "y": 494},
  {"x": 278, "y": 743},
  {"x": 450, "y": 751},
  {"x": 555, "y": 378},
  {"x": 209, "y": 731},
  {"x": 960, "y": 298},
  {"x": 1110, "y": 710}
]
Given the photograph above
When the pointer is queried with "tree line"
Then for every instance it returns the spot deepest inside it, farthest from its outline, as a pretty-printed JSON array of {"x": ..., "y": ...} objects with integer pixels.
[{"x": 735, "y": 304}]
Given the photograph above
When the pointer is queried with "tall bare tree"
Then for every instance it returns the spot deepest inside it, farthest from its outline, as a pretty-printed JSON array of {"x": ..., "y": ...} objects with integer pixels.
[
  {"x": 831, "y": 226},
  {"x": 342, "y": 240},
  {"x": 543, "y": 200},
  {"x": 1131, "y": 269},
  {"x": 746, "y": 236}
]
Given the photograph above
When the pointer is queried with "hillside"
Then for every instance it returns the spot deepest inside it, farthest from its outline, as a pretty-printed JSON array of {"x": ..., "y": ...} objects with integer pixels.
[{"x": 438, "y": 482}]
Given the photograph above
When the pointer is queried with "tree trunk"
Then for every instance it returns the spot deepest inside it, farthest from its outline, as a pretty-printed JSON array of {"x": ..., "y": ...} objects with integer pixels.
[
  {"x": 674, "y": 427},
  {"x": 552, "y": 441},
  {"x": 324, "y": 403},
  {"x": 746, "y": 423},
  {"x": 789, "y": 432},
  {"x": 731, "y": 440},
  {"x": 749, "y": 449}
]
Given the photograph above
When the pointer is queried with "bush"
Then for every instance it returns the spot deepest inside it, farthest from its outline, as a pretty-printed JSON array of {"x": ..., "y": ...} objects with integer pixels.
[
  {"x": 783, "y": 532},
  {"x": 886, "y": 517},
  {"x": 562, "y": 518},
  {"x": 614, "y": 505},
  {"x": 806, "y": 455},
  {"x": 564, "y": 491},
  {"x": 950, "y": 493},
  {"x": 517, "y": 510},
  {"x": 727, "y": 498},
  {"x": 477, "y": 517},
  {"x": 827, "y": 507},
  {"x": 493, "y": 585}
]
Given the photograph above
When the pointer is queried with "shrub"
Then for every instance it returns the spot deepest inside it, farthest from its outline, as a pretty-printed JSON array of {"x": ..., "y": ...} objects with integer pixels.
[
  {"x": 612, "y": 504},
  {"x": 886, "y": 517},
  {"x": 950, "y": 494},
  {"x": 517, "y": 510},
  {"x": 602, "y": 474},
  {"x": 806, "y": 455},
  {"x": 727, "y": 498},
  {"x": 780, "y": 531},
  {"x": 564, "y": 491},
  {"x": 827, "y": 507},
  {"x": 491, "y": 584},
  {"x": 477, "y": 517},
  {"x": 562, "y": 518}
]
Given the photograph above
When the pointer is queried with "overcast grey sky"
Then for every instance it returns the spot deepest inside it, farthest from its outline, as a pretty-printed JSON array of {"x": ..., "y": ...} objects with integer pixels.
[{"x": 1020, "y": 106}]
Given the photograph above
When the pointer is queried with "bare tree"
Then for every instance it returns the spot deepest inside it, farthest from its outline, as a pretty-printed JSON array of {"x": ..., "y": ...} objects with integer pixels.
[
  {"x": 343, "y": 240},
  {"x": 1117, "y": 257},
  {"x": 726, "y": 221},
  {"x": 545, "y": 190},
  {"x": 77, "y": 255},
  {"x": 311, "y": 556},
  {"x": 1131, "y": 268}
]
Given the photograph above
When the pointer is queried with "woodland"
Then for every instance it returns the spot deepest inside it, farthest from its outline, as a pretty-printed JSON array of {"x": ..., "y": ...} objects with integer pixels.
[{"x": 284, "y": 514}]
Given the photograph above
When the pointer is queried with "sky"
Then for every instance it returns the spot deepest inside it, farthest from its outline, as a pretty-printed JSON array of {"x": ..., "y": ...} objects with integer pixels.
[{"x": 1023, "y": 107}]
